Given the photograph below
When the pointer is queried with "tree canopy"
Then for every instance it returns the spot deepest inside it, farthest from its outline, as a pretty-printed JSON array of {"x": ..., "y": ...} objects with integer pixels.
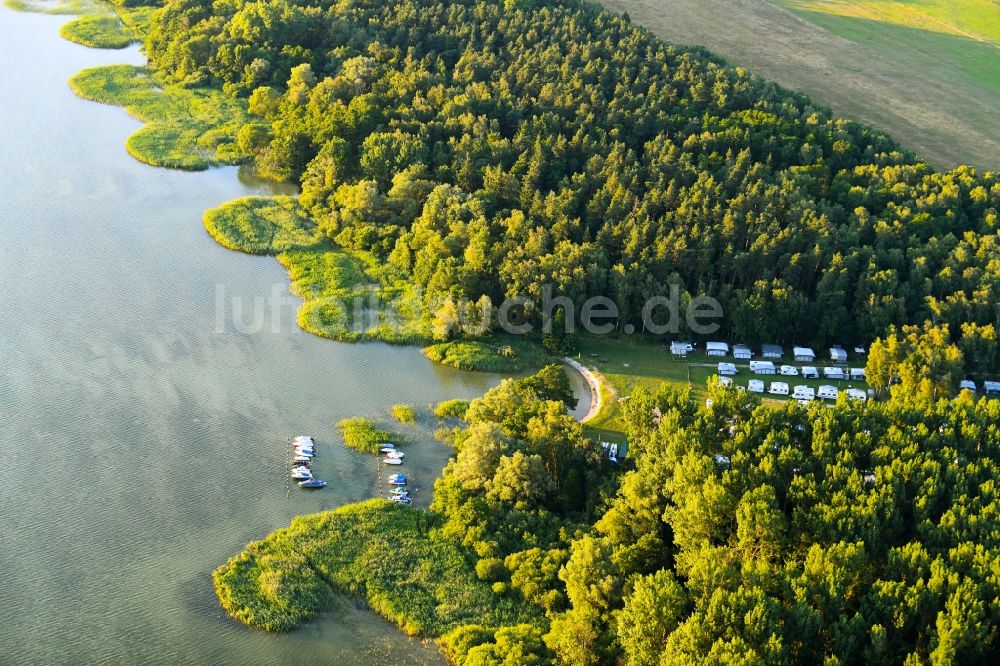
[{"x": 485, "y": 149}]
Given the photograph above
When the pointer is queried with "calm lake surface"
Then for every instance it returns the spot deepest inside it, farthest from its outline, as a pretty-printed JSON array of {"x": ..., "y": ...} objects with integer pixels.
[{"x": 141, "y": 445}]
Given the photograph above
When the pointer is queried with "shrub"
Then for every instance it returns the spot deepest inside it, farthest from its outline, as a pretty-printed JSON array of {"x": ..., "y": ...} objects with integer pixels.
[
  {"x": 452, "y": 409},
  {"x": 404, "y": 413},
  {"x": 362, "y": 435}
]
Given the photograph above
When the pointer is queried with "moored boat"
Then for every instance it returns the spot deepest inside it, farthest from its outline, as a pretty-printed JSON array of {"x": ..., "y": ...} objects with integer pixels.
[
  {"x": 392, "y": 461},
  {"x": 312, "y": 483}
]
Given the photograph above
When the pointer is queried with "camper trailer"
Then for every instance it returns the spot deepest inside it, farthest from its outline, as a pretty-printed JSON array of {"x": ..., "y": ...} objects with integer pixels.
[
  {"x": 788, "y": 371},
  {"x": 726, "y": 381},
  {"x": 838, "y": 355},
  {"x": 778, "y": 388},
  {"x": 681, "y": 348},
  {"x": 762, "y": 367},
  {"x": 771, "y": 351},
  {"x": 858, "y": 374},
  {"x": 809, "y": 372},
  {"x": 834, "y": 373},
  {"x": 992, "y": 389},
  {"x": 856, "y": 394},
  {"x": 967, "y": 385},
  {"x": 804, "y": 354},
  {"x": 827, "y": 392},
  {"x": 804, "y": 393},
  {"x": 756, "y": 386},
  {"x": 716, "y": 348},
  {"x": 727, "y": 369}
]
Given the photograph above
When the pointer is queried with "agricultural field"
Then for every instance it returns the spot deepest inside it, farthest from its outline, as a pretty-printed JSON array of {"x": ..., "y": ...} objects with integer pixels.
[{"x": 926, "y": 71}]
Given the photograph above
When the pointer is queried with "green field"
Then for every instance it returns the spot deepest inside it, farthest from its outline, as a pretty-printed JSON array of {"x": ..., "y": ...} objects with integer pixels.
[{"x": 926, "y": 71}]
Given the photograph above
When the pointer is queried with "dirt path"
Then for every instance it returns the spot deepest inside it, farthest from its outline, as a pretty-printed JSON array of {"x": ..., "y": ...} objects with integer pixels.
[{"x": 595, "y": 387}]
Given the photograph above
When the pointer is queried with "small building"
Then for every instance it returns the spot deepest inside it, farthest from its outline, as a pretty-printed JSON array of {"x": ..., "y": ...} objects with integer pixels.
[
  {"x": 858, "y": 374},
  {"x": 778, "y": 388},
  {"x": 827, "y": 392},
  {"x": 727, "y": 369},
  {"x": 834, "y": 373},
  {"x": 804, "y": 393},
  {"x": 788, "y": 371},
  {"x": 756, "y": 386},
  {"x": 992, "y": 389},
  {"x": 838, "y": 355},
  {"x": 967, "y": 385},
  {"x": 742, "y": 352},
  {"x": 762, "y": 368},
  {"x": 716, "y": 348},
  {"x": 771, "y": 351},
  {"x": 804, "y": 354},
  {"x": 856, "y": 394},
  {"x": 681, "y": 349},
  {"x": 809, "y": 372}
]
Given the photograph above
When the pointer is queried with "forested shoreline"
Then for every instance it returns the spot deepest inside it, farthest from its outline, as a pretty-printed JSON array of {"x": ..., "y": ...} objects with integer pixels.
[
  {"x": 474, "y": 151},
  {"x": 737, "y": 533},
  {"x": 482, "y": 149}
]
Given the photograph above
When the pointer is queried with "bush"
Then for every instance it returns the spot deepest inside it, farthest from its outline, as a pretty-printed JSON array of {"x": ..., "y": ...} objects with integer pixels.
[
  {"x": 404, "y": 413},
  {"x": 362, "y": 435},
  {"x": 486, "y": 357},
  {"x": 452, "y": 409}
]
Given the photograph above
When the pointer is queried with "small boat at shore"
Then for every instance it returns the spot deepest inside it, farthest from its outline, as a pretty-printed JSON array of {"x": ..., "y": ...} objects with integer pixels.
[
  {"x": 305, "y": 451},
  {"x": 397, "y": 479},
  {"x": 399, "y": 490},
  {"x": 302, "y": 459},
  {"x": 392, "y": 461},
  {"x": 303, "y": 439},
  {"x": 312, "y": 483},
  {"x": 395, "y": 454},
  {"x": 387, "y": 448},
  {"x": 301, "y": 473},
  {"x": 398, "y": 499}
]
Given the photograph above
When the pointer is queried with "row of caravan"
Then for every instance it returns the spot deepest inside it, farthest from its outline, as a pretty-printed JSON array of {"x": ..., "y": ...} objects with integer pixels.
[
  {"x": 806, "y": 372},
  {"x": 803, "y": 393}
]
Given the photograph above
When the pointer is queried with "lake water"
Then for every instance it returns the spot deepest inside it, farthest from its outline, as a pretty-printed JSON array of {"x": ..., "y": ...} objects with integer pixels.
[{"x": 140, "y": 445}]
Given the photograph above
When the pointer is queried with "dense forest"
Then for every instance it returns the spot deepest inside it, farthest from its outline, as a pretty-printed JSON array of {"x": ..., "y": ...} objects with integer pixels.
[
  {"x": 485, "y": 148},
  {"x": 480, "y": 150},
  {"x": 738, "y": 534}
]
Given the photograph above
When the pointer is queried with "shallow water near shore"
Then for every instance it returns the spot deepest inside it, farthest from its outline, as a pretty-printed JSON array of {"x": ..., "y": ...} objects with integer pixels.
[{"x": 141, "y": 444}]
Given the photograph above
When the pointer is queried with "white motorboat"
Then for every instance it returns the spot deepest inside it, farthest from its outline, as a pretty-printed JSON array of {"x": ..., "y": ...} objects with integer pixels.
[
  {"x": 395, "y": 454},
  {"x": 303, "y": 439},
  {"x": 387, "y": 448},
  {"x": 301, "y": 473},
  {"x": 312, "y": 483},
  {"x": 400, "y": 500},
  {"x": 392, "y": 461},
  {"x": 397, "y": 479},
  {"x": 301, "y": 459}
]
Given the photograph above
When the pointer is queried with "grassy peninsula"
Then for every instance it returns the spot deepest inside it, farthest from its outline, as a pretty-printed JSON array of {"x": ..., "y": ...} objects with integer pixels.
[
  {"x": 506, "y": 354},
  {"x": 187, "y": 128},
  {"x": 378, "y": 551}
]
